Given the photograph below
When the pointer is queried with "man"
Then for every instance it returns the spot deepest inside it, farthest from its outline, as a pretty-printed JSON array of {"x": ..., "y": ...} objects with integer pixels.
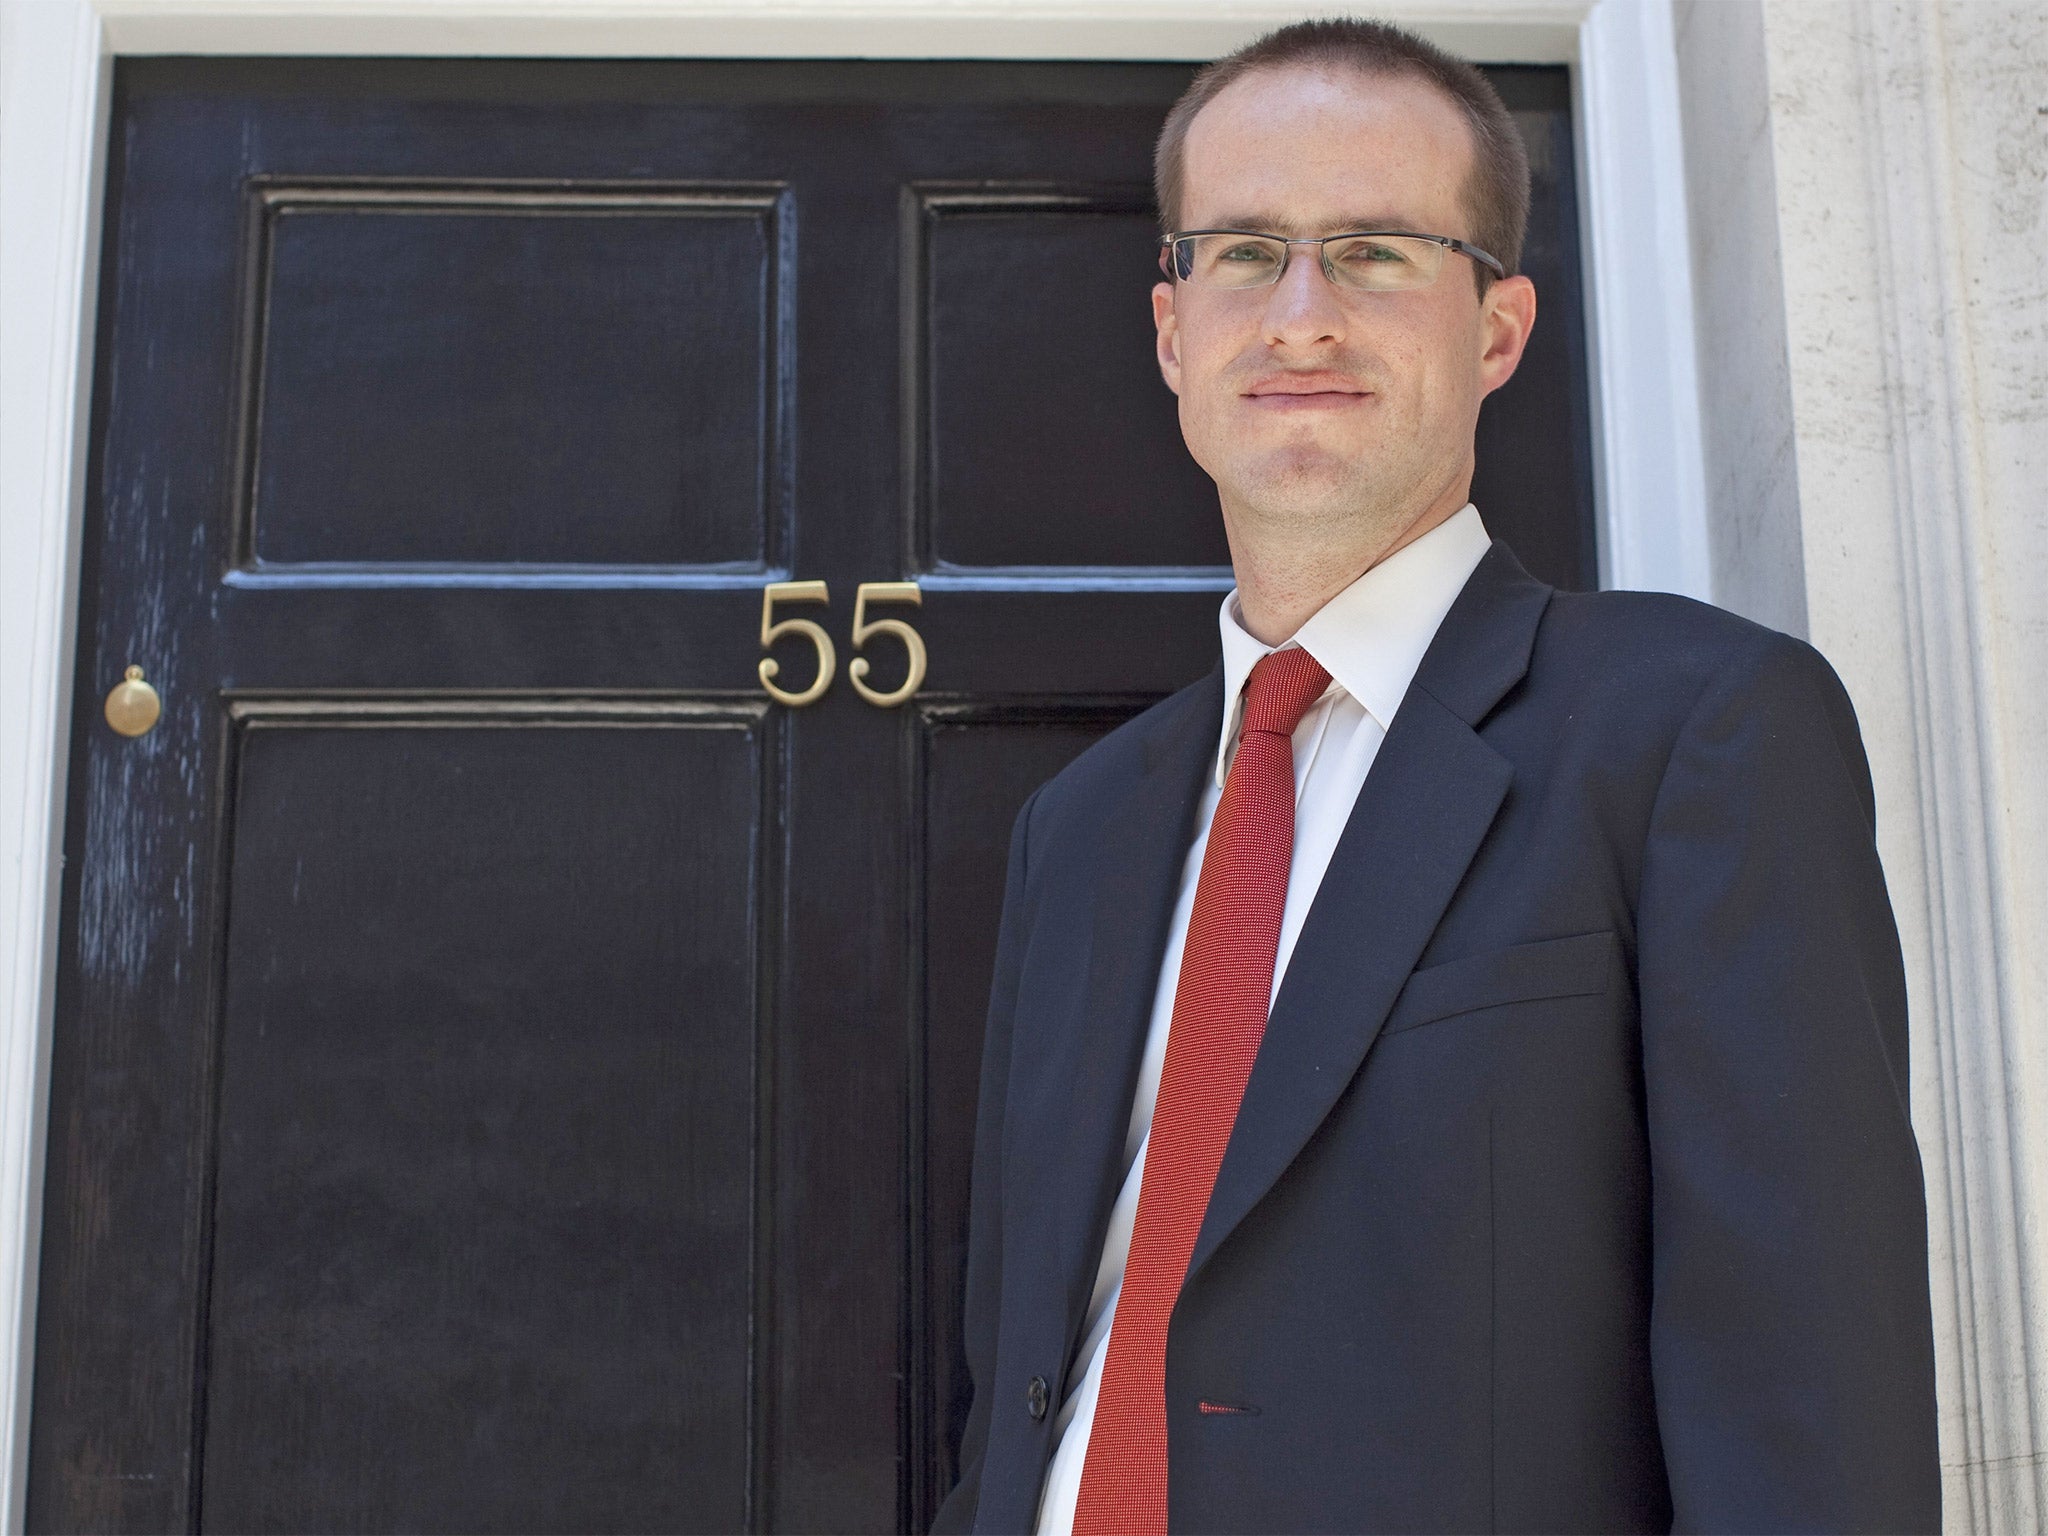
[{"x": 1447, "y": 1069}]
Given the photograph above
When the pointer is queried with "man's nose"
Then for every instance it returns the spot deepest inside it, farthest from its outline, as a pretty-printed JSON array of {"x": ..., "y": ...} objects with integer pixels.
[{"x": 1303, "y": 309}]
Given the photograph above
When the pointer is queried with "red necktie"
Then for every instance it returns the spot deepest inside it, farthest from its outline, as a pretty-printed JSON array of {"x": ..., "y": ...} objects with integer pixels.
[{"x": 1219, "y": 1016}]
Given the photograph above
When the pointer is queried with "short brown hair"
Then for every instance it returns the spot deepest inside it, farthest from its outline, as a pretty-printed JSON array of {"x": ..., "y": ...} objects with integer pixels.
[{"x": 1496, "y": 193}]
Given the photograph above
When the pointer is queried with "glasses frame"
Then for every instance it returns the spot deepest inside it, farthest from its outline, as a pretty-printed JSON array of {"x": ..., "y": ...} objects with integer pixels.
[{"x": 1167, "y": 264}]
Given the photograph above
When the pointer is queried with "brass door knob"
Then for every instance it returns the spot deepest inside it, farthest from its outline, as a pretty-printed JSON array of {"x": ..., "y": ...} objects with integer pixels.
[{"x": 133, "y": 706}]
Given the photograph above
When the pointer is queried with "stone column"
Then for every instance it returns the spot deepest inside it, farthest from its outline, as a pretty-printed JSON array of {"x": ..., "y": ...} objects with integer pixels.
[{"x": 1867, "y": 186}]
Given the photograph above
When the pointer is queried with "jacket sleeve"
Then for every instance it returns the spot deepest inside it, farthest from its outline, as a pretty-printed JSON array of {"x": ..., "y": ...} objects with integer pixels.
[
  {"x": 985, "y": 1199},
  {"x": 1791, "y": 1342}
]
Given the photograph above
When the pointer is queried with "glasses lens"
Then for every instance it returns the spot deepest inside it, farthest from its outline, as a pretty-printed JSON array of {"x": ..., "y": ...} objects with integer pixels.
[
  {"x": 1382, "y": 262},
  {"x": 1230, "y": 261}
]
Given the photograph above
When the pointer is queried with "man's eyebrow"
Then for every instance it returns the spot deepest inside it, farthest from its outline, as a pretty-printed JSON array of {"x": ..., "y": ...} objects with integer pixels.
[{"x": 1268, "y": 223}]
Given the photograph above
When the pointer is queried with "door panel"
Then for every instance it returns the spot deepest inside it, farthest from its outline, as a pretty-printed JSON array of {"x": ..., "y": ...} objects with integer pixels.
[
  {"x": 508, "y": 1074},
  {"x": 425, "y": 357},
  {"x": 979, "y": 763},
  {"x": 1017, "y": 475},
  {"x": 1533, "y": 482},
  {"x": 486, "y": 1094}
]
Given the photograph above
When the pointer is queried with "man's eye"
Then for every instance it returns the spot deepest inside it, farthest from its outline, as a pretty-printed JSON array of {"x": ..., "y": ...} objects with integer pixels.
[
  {"x": 1372, "y": 253},
  {"x": 1247, "y": 253}
]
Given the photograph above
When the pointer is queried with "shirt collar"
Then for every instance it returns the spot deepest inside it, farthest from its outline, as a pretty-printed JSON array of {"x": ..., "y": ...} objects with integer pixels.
[{"x": 1371, "y": 636}]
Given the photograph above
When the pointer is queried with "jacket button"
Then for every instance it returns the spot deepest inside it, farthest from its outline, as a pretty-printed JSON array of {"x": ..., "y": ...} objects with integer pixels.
[{"x": 1036, "y": 1396}]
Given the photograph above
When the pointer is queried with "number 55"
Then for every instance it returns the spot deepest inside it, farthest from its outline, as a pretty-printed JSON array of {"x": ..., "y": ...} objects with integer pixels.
[{"x": 863, "y": 628}]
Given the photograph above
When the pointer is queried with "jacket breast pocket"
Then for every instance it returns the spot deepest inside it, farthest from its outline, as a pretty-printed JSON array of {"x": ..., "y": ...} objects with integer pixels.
[{"x": 1582, "y": 965}]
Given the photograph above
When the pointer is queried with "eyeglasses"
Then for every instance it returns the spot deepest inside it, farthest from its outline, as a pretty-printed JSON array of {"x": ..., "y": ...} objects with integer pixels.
[{"x": 1372, "y": 260}]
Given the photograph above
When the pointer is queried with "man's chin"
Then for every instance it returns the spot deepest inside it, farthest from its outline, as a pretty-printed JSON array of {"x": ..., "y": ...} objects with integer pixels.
[{"x": 1313, "y": 484}]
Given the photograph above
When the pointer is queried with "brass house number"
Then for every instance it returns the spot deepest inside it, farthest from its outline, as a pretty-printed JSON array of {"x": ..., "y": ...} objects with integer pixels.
[{"x": 864, "y": 629}]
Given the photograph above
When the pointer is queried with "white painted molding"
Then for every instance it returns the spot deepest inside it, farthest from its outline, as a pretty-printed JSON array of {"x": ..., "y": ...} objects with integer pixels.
[
  {"x": 1522, "y": 31},
  {"x": 1648, "y": 473},
  {"x": 52, "y": 106}
]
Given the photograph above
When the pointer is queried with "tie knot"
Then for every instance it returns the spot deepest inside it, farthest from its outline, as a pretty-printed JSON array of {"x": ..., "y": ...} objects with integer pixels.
[{"x": 1280, "y": 690}]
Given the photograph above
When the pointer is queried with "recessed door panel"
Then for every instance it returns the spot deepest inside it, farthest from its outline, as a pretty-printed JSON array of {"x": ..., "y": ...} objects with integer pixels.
[
  {"x": 1038, "y": 308},
  {"x": 979, "y": 765},
  {"x": 484, "y": 1228},
  {"x": 1533, "y": 476},
  {"x": 454, "y": 374}
]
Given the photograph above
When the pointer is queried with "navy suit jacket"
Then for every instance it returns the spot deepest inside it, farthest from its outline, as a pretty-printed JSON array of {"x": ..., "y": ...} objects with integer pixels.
[{"x": 1573, "y": 1188}]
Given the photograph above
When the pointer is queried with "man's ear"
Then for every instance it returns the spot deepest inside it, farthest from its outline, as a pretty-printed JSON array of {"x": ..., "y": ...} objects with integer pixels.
[
  {"x": 1168, "y": 325},
  {"x": 1507, "y": 316}
]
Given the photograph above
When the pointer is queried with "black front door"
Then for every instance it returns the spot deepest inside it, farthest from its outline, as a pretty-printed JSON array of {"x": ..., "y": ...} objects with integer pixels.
[{"x": 512, "y": 1072}]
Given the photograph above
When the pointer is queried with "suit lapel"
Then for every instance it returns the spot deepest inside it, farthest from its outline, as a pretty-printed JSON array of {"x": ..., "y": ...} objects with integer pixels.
[
  {"x": 1426, "y": 806},
  {"x": 1089, "y": 1076}
]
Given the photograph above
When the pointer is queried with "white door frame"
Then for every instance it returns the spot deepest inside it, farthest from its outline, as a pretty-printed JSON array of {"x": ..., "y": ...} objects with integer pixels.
[{"x": 55, "y": 64}]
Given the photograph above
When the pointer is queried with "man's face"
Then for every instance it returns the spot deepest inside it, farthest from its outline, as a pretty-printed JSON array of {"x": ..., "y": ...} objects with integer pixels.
[{"x": 1315, "y": 407}]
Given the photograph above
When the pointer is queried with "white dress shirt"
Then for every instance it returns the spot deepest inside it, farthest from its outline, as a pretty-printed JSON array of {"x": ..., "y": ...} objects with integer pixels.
[{"x": 1370, "y": 638}]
